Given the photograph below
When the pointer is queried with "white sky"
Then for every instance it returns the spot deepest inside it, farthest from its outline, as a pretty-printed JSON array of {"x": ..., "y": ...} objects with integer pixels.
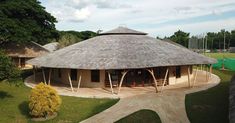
[{"x": 156, "y": 17}]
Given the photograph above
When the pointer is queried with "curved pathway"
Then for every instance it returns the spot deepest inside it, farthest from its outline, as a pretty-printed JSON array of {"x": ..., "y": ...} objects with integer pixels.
[{"x": 170, "y": 104}]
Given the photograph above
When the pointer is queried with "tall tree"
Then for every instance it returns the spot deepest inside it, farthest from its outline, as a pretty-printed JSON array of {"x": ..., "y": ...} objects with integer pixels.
[
  {"x": 181, "y": 38},
  {"x": 25, "y": 20}
]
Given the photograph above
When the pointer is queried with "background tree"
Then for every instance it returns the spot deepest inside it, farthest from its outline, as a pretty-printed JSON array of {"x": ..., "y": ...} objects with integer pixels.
[
  {"x": 181, "y": 38},
  {"x": 24, "y": 21},
  {"x": 70, "y": 37},
  {"x": 8, "y": 71}
]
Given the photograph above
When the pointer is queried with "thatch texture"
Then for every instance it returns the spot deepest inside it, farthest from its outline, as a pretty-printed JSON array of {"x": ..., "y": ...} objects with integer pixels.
[
  {"x": 52, "y": 46},
  {"x": 120, "y": 51},
  {"x": 123, "y": 31},
  {"x": 26, "y": 50}
]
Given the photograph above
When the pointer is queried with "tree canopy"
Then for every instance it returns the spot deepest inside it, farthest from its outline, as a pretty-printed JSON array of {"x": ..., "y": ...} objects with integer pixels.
[
  {"x": 25, "y": 20},
  {"x": 70, "y": 37},
  {"x": 180, "y": 37}
]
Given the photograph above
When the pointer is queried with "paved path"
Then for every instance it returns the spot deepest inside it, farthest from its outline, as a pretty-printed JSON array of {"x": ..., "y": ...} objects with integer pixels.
[{"x": 169, "y": 105}]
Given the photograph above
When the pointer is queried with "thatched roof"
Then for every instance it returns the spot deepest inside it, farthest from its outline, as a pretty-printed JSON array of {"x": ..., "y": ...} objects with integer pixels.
[
  {"x": 123, "y": 31},
  {"x": 51, "y": 46},
  {"x": 27, "y": 50},
  {"x": 120, "y": 51}
]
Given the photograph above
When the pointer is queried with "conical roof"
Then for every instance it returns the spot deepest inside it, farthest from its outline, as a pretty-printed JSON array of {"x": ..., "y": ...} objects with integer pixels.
[
  {"x": 123, "y": 31},
  {"x": 122, "y": 50}
]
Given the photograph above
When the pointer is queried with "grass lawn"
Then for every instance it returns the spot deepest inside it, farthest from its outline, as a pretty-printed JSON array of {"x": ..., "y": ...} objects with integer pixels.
[
  {"x": 210, "y": 106},
  {"x": 221, "y": 55},
  {"x": 141, "y": 116},
  {"x": 14, "y": 106}
]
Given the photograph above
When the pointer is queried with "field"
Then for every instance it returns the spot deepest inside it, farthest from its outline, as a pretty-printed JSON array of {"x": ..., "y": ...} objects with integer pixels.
[
  {"x": 220, "y": 55},
  {"x": 211, "y": 106},
  {"x": 14, "y": 106}
]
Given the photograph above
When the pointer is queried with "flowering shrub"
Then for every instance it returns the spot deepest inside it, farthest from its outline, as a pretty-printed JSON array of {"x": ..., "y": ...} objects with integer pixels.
[{"x": 44, "y": 101}]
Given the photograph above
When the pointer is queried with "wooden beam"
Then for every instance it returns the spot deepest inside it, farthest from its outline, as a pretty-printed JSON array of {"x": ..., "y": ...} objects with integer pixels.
[
  {"x": 154, "y": 79},
  {"x": 70, "y": 82},
  {"x": 44, "y": 78},
  {"x": 49, "y": 76},
  {"x": 167, "y": 71},
  {"x": 189, "y": 81},
  {"x": 79, "y": 82},
  {"x": 195, "y": 76},
  {"x": 120, "y": 84},
  {"x": 110, "y": 82}
]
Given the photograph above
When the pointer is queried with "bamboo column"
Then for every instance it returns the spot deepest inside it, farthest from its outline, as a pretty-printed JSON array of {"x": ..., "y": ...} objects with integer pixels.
[
  {"x": 189, "y": 81},
  {"x": 120, "y": 85},
  {"x": 49, "y": 77},
  {"x": 44, "y": 78},
  {"x": 167, "y": 71},
  {"x": 79, "y": 82},
  {"x": 155, "y": 81},
  {"x": 195, "y": 76},
  {"x": 70, "y": 82}
]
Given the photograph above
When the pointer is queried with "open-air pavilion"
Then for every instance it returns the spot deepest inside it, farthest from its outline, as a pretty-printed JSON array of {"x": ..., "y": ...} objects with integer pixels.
[{"x": 121, "y": 58}]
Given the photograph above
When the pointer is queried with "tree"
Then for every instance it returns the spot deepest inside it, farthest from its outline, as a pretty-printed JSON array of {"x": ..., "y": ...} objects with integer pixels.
[
  {"x": 67, "y": 39},
  {"x": 8, "y": 71},
  {"x": 24, "y": 21},
  {"x": 70, "y": 37},
  {"x": 181, "y": 38}
]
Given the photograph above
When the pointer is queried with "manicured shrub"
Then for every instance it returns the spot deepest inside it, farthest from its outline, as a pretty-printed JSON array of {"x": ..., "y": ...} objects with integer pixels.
[
  {"x": 44, "y": 101},
  {"x": 8, "y": 71}
]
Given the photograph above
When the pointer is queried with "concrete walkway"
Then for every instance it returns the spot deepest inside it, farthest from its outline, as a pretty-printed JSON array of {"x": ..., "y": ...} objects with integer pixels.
[{"x": 169, "y": 105}]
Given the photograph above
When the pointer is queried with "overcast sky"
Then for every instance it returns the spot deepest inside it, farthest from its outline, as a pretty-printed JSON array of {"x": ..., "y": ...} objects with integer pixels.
[{"x": 158, "y": 18}]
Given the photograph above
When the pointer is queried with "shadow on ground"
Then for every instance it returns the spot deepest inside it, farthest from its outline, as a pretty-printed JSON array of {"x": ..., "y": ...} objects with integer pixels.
[
  {"x": 4, "y": 94},
  {"x": 24, "y": 108}
]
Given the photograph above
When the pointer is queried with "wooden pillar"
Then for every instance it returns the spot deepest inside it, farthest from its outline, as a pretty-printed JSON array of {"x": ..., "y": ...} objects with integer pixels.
[
  {"x": 44, "y": 78},
  {"x": 210, "y": 70},
  {"x": 34, "y": 74},
  {"x": 79, "y": 81},
  {"x": 207, "y": 74},
  {"x": 189, "y": 81},
  {"x": 195, "y": 76},
  {"x": 70, "y": 82},
  {"x": 167, "y": 71},
  {"x": 155, "y": 81},
  {"x": 19, "y": 65},
  {"x": 120, "y": 85},
  {"x": 110, "y": 82},
  {"x": 49, "y": 76}
]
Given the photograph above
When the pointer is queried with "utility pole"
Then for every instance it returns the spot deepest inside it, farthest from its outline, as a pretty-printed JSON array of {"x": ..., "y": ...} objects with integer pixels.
[
  {"x": 224, "y": 40},
  {"x": 203, "y": 45}
]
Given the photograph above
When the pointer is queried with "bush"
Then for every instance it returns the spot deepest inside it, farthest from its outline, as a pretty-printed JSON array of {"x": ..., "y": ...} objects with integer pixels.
[
  {"x": 44, "y": 101},
  {"x": 8, "y": 71}
]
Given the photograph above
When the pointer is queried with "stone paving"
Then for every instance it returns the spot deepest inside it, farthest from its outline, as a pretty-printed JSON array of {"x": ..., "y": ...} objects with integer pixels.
[{"x": 169, "y": 104}]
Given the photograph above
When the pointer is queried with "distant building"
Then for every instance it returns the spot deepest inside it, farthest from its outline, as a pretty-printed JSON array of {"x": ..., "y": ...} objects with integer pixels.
[
  {"x": 232, "y": 49},
  {"x": 52, "y": 46},
  {"x": 20, "y": 53}
]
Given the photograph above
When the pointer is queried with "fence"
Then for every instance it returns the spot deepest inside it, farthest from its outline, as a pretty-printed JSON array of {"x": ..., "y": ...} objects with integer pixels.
[{"x": 226, "y": 63}]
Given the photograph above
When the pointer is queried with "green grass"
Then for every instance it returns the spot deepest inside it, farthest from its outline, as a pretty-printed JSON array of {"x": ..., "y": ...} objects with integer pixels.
[
  {"x": 141, "y": 116},
  {"x": 220, "y": 55},
  {"x": 210, "y": 106},
  {"x": 14, "y": 106}
]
